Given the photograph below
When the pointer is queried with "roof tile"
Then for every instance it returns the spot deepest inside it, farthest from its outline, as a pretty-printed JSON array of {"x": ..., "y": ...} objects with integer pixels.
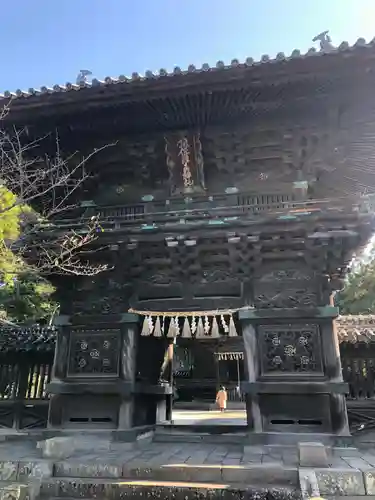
[
  {"x": 220, "y": 65},
  {"x": 356, "y": 328}
]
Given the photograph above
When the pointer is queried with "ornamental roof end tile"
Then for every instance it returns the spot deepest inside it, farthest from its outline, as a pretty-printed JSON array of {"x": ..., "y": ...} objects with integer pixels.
[{"x": 177, "y": 71}]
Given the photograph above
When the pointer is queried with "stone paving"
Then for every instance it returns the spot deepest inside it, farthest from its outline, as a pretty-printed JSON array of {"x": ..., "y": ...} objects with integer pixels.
[{"x": 188, "y": 453}]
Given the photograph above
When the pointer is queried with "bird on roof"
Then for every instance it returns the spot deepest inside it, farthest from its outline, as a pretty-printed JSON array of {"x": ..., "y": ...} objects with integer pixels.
[
  {"x": 82, "y": 76},
  {"x": 324, "y": 40}
]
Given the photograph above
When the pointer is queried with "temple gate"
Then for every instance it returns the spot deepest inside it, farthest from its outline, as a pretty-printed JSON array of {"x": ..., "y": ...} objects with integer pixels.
[{"x": 241, "y": 191}]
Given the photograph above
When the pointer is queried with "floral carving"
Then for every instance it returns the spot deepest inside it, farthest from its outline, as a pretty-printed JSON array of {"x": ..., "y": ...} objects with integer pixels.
[
  {"x": 290, "y": 348},
  {"x": 94, "y": 352}
]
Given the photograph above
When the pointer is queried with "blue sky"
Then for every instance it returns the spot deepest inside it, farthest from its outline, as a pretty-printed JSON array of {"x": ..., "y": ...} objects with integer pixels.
[{"x": 47, "y": 42}]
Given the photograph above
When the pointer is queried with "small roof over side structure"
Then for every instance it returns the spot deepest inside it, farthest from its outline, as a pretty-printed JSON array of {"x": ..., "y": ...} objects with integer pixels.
[{"x": 356, "y": 328}]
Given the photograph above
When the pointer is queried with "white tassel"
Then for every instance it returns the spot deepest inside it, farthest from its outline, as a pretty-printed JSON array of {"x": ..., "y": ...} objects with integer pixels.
[
  {"x": 206, "y": 325},
  {"x": 232, "y": 328},
  {"x": 200, "y": 329},
  {"x": 157, "y": 330},
  {"x": 193, "y": 324},
  {"x": 173, "y": 329},
  {"x": 186, "y": 332},
  {"x": 225, "y": 326},
  {"x": 147, "y": 326},
  {"x": 215, "y": 334}
]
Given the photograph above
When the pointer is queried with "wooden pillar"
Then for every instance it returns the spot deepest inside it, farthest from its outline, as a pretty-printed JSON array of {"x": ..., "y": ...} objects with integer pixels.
[
  {"x": 128, "y": 372},
  {"x": 251, "y": 360},
  {"x": 294, "y": 387},
  {"x": 93, "y": 379},
  {"x": 332, "y": 361}
]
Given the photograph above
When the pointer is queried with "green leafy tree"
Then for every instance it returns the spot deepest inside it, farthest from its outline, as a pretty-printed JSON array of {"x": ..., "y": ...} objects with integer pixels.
[
  {"x": 358, "y": 293},
  {"x": 25, "y": 296},
  {"x": 27, "y": 299}
]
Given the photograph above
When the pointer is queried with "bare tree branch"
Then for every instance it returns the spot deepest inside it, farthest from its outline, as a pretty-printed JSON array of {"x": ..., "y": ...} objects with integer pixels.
[{"x": 44, "y": 186}]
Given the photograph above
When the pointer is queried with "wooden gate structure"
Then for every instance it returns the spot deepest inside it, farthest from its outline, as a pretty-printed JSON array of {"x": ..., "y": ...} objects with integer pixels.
[
  {"x": 234, "y": 193},
  {"x": 26, "y": 360}
]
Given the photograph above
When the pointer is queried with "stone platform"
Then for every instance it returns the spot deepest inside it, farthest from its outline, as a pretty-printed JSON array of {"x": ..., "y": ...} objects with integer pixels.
[{"x": 104, "y": 469}]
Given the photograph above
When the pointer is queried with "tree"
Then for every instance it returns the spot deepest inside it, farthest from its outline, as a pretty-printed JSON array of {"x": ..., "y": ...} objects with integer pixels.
[
  {"x": 35, "y": 189},
  {"x": 23, "y": 296},
  {"x": 27, "y": 299},
  {"x": 358, "y": 294}
]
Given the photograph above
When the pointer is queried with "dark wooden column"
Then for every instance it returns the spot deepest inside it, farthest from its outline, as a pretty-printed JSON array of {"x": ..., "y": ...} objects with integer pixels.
[
  {"x": 130, "y": 332},
  {"x": 153, "y": 383},
  {"x": 294, "y": 386},
  {"x": 332, "y": 361},
  {"x": 252, "y": 354}
]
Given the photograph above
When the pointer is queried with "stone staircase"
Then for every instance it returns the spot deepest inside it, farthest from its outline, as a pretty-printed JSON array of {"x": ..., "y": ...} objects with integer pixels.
[
  {"x": 185, "y": 482},
  {"x": 108, "y": 474},
  {"x": 72, "y": 480}
]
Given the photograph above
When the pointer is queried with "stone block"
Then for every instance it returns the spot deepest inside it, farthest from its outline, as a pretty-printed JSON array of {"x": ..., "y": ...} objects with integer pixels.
[
  {"x": 202, "y": 474},
  {"x": 339, "y": 482},
  {"x": 312, "y": 455},
  {"x": 57, "y": 447},
  {"x": 182, "y": 473},
  {"x": 8, "y": 471},
  {"x": 83, "y": 488},
  {"x": 369, "y": 477},
  {"x": 49, "y": 488},
  {"x": 67, "y": 469},
  {"x": 18, "y": 492},
  {"x": 34, "y": 470},
  {"x": 66, "y": 446},
  {"x": 178, "y": 490},
  {"x": 261, "y": 474}
]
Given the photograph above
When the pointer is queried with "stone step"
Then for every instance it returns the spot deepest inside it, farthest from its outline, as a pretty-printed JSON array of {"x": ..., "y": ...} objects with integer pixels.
[
  {"x": 191, "y": 438},
  {"x": 72, "y": 488},
  {"x": 175, "y": 435},
  {"x": 216, "y": 429},
  {"x": 230, "y": 474}
]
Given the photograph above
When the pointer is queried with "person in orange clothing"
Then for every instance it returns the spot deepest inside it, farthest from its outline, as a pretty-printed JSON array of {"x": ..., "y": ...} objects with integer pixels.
[{"x": 221, "y": 398}]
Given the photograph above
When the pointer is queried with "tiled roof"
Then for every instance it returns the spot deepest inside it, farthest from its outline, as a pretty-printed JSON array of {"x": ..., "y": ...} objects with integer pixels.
[
  {"x": 220, "y": 66},
  {"x": 356, "y": 328},
  {"x": 27, "y": 339}
]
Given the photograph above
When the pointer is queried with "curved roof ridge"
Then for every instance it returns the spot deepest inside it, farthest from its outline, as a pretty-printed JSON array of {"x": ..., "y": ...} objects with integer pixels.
[{"x": 177, "y": 71}]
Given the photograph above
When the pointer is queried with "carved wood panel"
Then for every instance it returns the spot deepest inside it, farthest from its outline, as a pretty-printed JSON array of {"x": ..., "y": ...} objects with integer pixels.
[
  {"x": 285, "y": 287},
  {"x": 94, "y": 353},
  {"x": 290, "y": 349}
]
